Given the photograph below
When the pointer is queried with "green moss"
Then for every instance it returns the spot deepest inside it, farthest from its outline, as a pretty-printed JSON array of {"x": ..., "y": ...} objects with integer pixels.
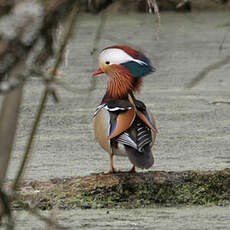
[
  {"x": 195, "y": 189},
  {"x": 141, "y": 190}
]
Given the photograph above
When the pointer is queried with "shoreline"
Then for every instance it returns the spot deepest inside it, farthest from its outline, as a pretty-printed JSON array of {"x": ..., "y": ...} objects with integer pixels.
[{"x": 127, "y": 190}]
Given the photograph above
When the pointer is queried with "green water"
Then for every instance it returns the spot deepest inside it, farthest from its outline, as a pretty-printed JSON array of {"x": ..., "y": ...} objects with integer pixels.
[{"x": 193, "y": 131}]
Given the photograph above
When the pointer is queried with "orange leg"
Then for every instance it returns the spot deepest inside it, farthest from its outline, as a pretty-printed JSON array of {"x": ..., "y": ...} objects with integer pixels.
[
  {"x": 112, "y": 169},
  {"x": 133, "y": 169}
]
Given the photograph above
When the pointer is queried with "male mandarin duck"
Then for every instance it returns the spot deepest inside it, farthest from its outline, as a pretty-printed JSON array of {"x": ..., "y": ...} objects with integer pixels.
[{"x": 123, "y": 125}]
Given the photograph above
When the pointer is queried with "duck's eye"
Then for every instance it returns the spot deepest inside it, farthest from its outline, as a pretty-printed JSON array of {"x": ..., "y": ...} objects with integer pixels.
[{"x": 107, "y": 62}]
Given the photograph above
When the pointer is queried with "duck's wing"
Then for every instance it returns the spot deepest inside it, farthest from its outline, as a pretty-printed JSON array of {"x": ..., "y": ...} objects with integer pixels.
[
  {"x": 112, "y": 119},
  {"x": 140, "y": 137},
  {"x": 101, "y": 127},
  {"x": 136, "y": 142},
  {"x": 144, "y": 114},
  {"x": 122, "y": 115}
]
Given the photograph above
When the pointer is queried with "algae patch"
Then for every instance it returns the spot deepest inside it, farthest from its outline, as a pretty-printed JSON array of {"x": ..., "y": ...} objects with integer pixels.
[{"x": 129, "y": 190}]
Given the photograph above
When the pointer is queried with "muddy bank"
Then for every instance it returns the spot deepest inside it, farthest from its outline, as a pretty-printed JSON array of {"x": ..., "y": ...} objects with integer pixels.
[{"x": 125, "y": 190}]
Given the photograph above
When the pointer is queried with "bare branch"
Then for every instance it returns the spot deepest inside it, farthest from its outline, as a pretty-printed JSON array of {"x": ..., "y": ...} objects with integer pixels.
[
  {"x": 206, "y": 71},
  {"x": 153, "y": 4},
  {"x": 45, "y": 97},
  {"x": 8, "y": 122},
  {"x": 52, "y": 219},
  {"x": 182, "y": 3},
  {"x": 220, "y": 102},
  {"x": 103, "y": 18},
  {"x": 111, "y": 9},
  {"x": 46, "y": 220},
  {"x": 223, "y": 41}
]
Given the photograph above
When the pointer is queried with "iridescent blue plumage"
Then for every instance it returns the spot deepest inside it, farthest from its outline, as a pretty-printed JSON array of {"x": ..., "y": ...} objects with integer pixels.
[
  {"x": 137, "y": 69},
  {"x": 112, "y": 128}
]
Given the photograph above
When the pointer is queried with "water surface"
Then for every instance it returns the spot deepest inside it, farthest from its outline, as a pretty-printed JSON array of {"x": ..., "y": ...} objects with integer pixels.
[
  {"x": 193, "y": 131},
  {"x": 135, "y": 219}
]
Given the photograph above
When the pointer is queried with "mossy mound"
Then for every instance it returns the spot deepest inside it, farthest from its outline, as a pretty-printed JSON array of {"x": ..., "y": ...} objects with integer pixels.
[{"x": 129, "y": 190}]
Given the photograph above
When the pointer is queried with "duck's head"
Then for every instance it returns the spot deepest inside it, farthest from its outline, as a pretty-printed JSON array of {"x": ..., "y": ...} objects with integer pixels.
[{"x": 125, "y": 68}]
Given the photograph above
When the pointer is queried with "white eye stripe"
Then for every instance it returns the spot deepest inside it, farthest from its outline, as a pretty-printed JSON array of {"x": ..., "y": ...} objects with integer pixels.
[{"x": 117, "y": 56}]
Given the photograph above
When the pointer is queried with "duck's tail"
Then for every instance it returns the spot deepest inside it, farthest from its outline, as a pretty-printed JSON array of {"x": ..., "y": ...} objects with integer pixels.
[{"x": 143, "y": 159}]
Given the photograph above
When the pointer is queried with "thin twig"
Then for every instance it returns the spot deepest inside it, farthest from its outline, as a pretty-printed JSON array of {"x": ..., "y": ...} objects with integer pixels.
[
  {"x": 220, "y": 102},
  {"x": 32, "y": 211},
  {"x": 103, "y": 18},
  {"x": 31, "y": 138},
  {"x": 153, "y": 4},
  {"x": 5, "y": 205},
  {"x": 222, "y": 43},
  {"x": 52, "y": 218},
  {"x": 47, "y": 220},
  {"x": 44, "y": 98},
  {"x": 100, "y": 29},
  {"x": 206, "y": 71},
  {"x": 182, "y": 3},
  {"x": 71, "y": 89},
  {"x": 73, "y": 17}
]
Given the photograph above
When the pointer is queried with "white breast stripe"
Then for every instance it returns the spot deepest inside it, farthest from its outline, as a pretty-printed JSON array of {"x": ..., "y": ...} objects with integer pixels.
[
  {"x": 98, "y": 109},
  {"x": 117, "y": 108}
]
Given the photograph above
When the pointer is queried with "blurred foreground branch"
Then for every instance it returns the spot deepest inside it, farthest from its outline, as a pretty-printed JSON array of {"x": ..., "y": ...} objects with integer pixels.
[
  {"x": 26, "y": 44},
  {"x": 29, "y": 28},
  {"x": 8, "y": 121},
  {"x": 46, "y": 93}
]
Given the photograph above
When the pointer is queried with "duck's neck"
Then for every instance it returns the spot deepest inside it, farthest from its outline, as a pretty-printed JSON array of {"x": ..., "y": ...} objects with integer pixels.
[
  {"x": 118, "y": 86},
  {"x": 107, "y": 97},
  {"x": 120, "y": 83}
]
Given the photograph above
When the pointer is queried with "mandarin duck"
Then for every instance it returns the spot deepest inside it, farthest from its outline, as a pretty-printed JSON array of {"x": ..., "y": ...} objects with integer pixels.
[{"x": 123, "y": 125}]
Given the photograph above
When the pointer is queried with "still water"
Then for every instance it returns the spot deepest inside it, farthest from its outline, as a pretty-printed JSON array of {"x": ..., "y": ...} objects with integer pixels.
[
  {"x": 134, "y": 219},
  {"x": 193, "y": 123}
]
